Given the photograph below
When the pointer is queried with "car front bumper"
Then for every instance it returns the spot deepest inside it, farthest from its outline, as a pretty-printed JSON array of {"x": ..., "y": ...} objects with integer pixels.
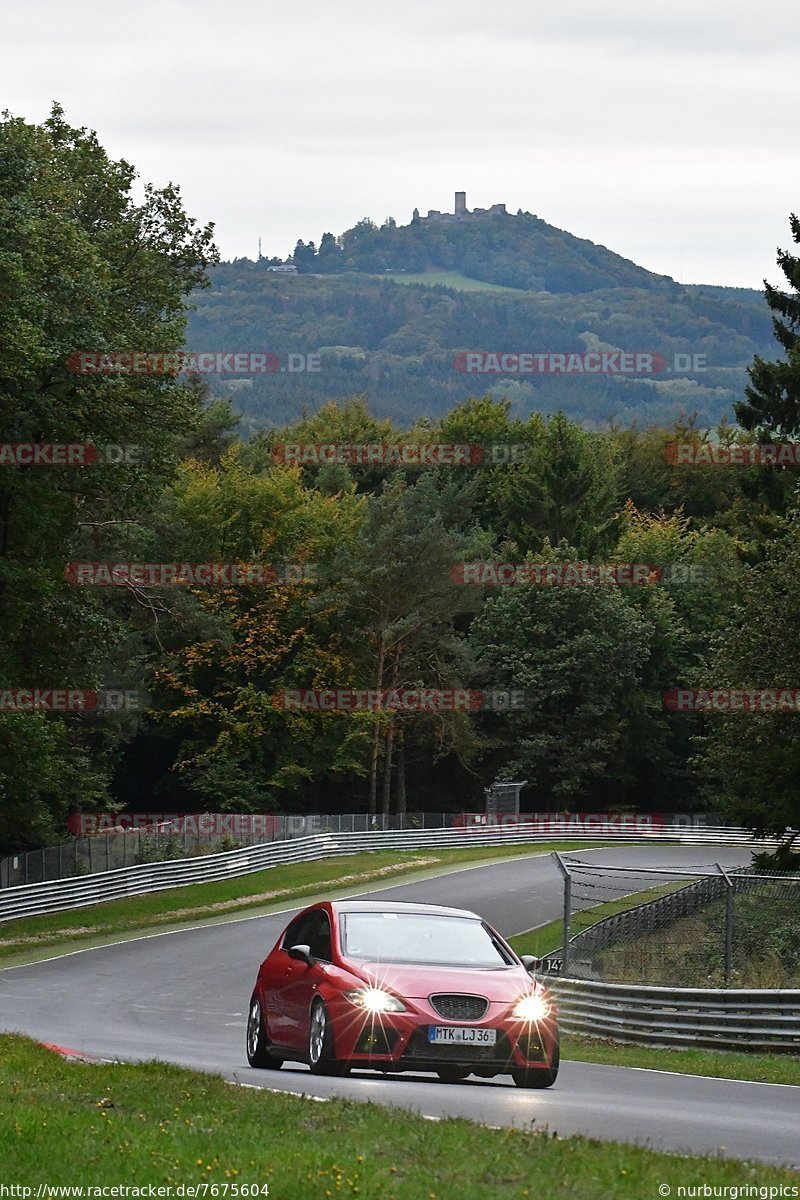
[{"x": 401, "y": 1041}]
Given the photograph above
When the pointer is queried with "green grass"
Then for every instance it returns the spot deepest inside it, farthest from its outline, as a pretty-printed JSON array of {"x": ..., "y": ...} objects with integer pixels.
[
  {"x": 722, "y": 1064},
  {"x": 541, "y": 941},
  {"x": 73, "y": 1123},
  {"x": 31, "y": 937},
  {"x": 452, "y": 279}
]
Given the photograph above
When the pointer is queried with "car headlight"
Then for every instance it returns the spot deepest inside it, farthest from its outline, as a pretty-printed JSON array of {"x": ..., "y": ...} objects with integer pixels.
[
  {"x": 531, "y": 1008},
  {"x": 375, "y": 1000}
]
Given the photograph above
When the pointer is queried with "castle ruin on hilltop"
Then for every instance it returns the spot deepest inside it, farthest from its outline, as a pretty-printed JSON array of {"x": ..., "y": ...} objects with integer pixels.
[{"x": 461, "y": 213}]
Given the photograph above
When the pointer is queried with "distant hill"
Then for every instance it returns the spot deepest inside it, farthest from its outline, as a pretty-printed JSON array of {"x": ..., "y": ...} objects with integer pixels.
[
  {"x": 389, "y": 309},
  {"x": 519, "y": 251}
]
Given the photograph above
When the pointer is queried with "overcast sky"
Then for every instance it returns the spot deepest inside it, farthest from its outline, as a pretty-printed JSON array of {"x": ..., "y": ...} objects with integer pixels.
[{"x": 663, "y": 129}]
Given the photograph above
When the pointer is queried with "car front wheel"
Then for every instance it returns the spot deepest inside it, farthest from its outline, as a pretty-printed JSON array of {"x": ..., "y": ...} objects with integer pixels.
[
  {"x": 321, "y": 1056},
  {"x": 258, "y": 1054}
]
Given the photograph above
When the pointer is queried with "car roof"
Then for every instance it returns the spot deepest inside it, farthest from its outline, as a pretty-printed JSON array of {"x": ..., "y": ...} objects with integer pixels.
[{"x": 396, "y": 906}]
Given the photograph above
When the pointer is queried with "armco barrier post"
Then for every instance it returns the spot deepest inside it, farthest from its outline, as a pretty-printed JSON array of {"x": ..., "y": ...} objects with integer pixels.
[
  {"x": 567, "y": 912},
  {"x": 728, "y": 924}
]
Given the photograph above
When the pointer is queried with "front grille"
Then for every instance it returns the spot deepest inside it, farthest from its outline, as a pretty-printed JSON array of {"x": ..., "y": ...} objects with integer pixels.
[{"x": 456, "y": 1007}]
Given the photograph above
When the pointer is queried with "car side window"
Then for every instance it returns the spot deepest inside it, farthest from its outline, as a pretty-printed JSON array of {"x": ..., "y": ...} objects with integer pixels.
[
  {"x": 313, "y": 930},
  {"x": 320, "y": 938},
  {"x": 299, "y": 932}
]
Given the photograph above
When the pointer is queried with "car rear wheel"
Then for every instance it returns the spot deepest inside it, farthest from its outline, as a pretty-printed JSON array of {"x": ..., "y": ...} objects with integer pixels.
[
  {"x": 538, "y": 1077},
  {"x": 321, "y": 1056},
  {"x": 258, "y": 1054},
  {"x": 452, "y": 1074}
]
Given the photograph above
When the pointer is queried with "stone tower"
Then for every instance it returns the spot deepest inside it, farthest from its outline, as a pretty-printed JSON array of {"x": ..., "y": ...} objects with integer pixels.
[{"x": 461, "y": 204}]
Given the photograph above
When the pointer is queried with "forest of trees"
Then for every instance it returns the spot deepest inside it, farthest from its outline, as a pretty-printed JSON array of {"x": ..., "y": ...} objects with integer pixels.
[
  {"x": 379, "y": 603},
  {"x": 395, "y": 343}
]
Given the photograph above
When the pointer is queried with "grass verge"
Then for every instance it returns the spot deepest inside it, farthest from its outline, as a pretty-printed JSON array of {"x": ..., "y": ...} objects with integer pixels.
[
  {"x": 68, "y": 1123},
  {"x": 721, "y": 1064},
  {"x": 274, "y": 887}
]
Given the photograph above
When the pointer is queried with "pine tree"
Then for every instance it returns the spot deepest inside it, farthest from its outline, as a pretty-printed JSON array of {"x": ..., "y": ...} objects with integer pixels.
[{"x": 773, "y": 397}]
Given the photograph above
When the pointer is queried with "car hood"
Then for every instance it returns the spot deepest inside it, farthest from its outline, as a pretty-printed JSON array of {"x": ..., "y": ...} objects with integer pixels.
[{"x": 419, "y": 982}]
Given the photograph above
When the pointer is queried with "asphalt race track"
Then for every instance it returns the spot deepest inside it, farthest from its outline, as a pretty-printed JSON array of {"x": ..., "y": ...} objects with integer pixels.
[{"x": 183, "y": 996}]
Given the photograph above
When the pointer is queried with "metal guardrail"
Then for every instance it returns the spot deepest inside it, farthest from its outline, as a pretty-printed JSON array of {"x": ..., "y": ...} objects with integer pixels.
[
  {"x": 129, "y": 840},
  {"x": 61, "y": 894},
  {"x": 106, "y": 847},
  {"x": 730, "y": 1019}
]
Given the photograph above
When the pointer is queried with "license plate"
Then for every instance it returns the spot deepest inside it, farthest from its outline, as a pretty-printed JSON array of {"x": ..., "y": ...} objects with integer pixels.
[{"x": 463, "y": 1035}]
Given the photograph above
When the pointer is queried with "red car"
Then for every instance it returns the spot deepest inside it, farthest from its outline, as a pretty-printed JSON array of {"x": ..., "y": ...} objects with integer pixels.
[{"x": 401, "y": 987}]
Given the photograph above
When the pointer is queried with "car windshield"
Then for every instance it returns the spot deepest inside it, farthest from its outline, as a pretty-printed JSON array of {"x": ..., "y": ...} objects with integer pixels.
[{"x": 390, "y": 937}]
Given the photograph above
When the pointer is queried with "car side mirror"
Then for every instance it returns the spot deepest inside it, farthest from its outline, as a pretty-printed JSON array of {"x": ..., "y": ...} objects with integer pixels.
[
  {"x": 530, "y": 962},
  {"x": 302, "y": 954}
]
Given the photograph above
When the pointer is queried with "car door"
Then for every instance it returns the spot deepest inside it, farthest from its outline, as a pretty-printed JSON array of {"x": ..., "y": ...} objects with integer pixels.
[
  {"x": 304, "y": 982},
  {"x": 297, "y": 982},
  {"x": 281, "y": 972}
]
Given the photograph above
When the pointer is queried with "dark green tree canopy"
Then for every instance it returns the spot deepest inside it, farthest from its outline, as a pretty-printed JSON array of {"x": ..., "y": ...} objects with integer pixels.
[
  {"x": 773, "y": 395},
  {"x": 83, "y": 267}
]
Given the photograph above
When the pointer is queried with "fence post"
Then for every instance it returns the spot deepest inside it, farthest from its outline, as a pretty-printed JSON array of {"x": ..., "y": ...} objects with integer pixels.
[
  {"x": 567, "y": 911},
  {"x": 728, "y": 923}
]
